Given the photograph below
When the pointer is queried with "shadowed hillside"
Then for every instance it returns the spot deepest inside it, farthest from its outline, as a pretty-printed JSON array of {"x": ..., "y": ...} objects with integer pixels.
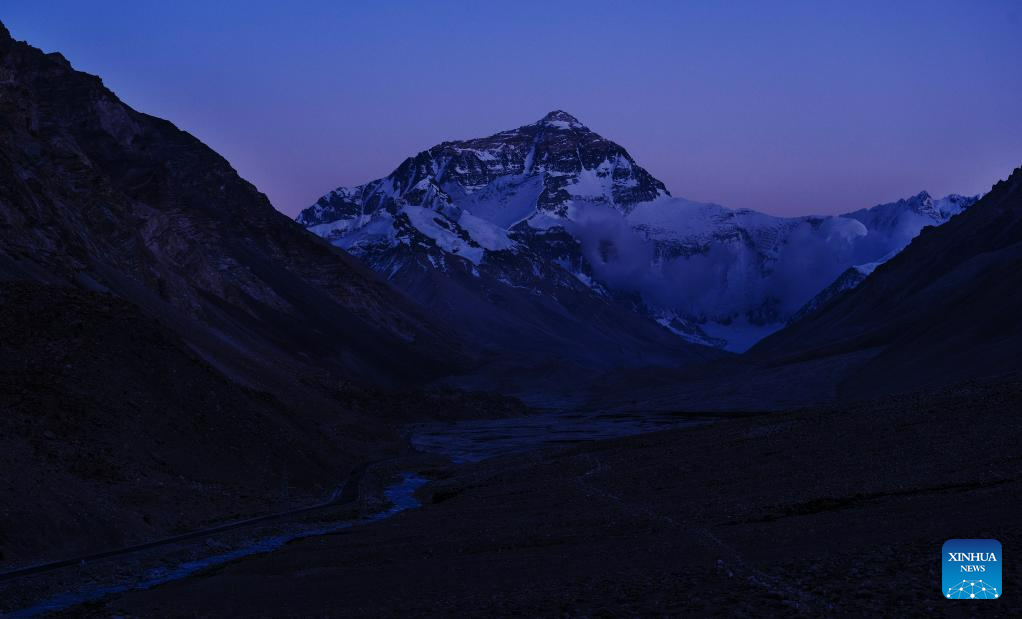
[
  {"x": 944, "y": 309},
  {"x": 174, "y": 351}
]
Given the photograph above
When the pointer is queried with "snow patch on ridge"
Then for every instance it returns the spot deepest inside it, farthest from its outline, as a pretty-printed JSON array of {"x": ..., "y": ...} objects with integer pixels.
[
  {"x": 558, "y": 195},
  {"x": 435, "y": 227},
  {"x": 486, "y": 234}
]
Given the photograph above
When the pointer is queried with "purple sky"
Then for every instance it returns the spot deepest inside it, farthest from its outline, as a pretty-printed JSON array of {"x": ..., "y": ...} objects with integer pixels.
[{"x": 815, "y": 107}]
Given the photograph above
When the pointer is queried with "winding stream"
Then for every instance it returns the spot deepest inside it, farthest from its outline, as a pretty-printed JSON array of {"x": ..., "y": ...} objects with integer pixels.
[
  {"x": 401, "y": 496},
  {"x": 462, "y": 442}
]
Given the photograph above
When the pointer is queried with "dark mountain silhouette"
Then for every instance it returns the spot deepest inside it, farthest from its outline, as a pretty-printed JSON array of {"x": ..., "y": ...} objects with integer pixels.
[
  {"x": 945, "y": 309},
  {"x": 97, "y": 194},
  {"x": 173, "y": 351}
]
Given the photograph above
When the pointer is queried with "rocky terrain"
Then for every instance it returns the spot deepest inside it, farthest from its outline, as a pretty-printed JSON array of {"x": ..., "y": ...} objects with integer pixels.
[
  {"x": 448, "y": 228},
  {"x": 110, "y": 199},
  {"x": 832, "y": 511},
  {"x": 562, "y": 221},
  {"x": 944, "y": 309},
  {"x": 113, "y": 431},
  {"x": 176, "y": 355},
  {"x": 174, "y": 351}
]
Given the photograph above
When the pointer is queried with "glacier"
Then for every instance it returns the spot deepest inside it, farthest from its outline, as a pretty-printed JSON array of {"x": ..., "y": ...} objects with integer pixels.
[{"x": 554, "y": 198}]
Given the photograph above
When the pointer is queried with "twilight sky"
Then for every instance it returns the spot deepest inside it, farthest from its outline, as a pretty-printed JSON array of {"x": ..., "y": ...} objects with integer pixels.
[{"x": 804, "y": 107}]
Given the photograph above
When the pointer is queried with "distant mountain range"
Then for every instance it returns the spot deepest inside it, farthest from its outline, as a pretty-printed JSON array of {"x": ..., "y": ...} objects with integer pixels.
[
  {"x": 943, "y": 310},
  {"x": 174, "y": 352},
  {"x": 553, "y": 208}
]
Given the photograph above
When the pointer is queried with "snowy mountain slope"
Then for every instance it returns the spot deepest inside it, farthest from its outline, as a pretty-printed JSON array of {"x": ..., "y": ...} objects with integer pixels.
[
  {"x": 554, "y": 198},
  {"x": 902, "y": 221},
  {"x": 944, "y": 309},
  {"x": 540, "y": 167},
  {"x": 846, "y": 281},
  {"x": 739, "y": 272}
]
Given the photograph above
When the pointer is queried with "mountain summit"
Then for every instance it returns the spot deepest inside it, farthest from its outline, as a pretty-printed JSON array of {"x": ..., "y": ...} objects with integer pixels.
[
  {"x": 546, "y": 167},
  {"x": 562, "y": 119},
  {"x": 477, "y": 231},
  {"x": 563, "y": 204},
  {"x": 559, "y": 115}
]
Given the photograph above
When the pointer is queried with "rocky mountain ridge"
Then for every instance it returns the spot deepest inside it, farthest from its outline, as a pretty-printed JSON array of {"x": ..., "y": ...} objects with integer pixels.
[
  {"x": 562, "y": 203},
  {"x": 943, "y": 309},
  {"x": 99, "y": 195}
]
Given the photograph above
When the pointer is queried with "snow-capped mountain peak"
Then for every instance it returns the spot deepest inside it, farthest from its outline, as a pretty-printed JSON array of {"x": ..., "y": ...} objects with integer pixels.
[
  {"x": 535, "y": 172},
  {"x": 557, "y": 202},
  {"x": 559, "y": 119}
]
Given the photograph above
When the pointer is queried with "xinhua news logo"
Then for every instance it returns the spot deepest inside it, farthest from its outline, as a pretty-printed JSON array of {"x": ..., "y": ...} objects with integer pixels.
[{"x": 971, "y": 569}]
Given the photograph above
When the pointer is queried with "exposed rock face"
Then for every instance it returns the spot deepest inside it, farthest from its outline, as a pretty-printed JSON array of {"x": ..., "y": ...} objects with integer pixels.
[
  {"x": 544, "y": 160},
  {"x": 477, "y": 231},
  {"x": 561, "y": 203},
  {"x": 846, "y": 281}
]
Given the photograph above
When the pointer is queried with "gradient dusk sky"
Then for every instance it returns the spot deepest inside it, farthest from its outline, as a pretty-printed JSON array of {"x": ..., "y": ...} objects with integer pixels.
[{"x": 789, "y": 108}]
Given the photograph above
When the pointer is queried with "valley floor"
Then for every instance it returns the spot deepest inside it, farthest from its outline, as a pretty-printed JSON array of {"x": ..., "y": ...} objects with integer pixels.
[{"x": 823, "y": 511}]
